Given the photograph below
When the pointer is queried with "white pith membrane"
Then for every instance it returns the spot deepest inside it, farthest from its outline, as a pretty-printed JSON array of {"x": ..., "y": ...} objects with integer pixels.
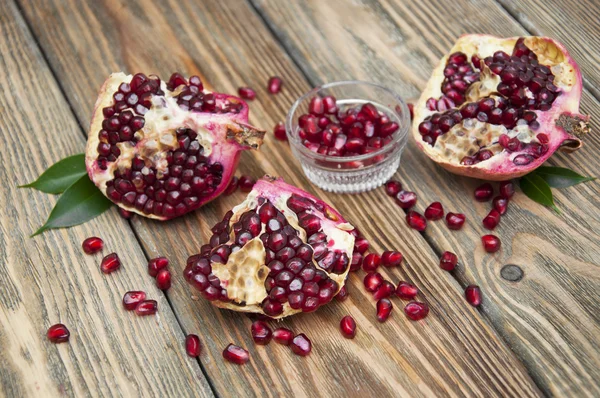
[
  {"x": 463, "y": 149},
  {"x": 241, "y": 271},
  {"x": 172, "y": 141}
]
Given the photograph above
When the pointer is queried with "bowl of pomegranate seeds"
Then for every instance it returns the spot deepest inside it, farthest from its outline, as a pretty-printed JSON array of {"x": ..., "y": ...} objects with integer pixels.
[{"x": 348, "y": 135}]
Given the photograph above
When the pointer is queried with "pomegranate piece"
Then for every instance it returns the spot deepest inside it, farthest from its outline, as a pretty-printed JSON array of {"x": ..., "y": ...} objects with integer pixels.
[
  {"x": 448, "y": 261},
  {"x": 279, "y": 132},
  {"x": 525, "y": 96},
  {"x": 146, "y": 307},
  {"x": 473, "y": 295},
  {"x": 261, "y": 333},
  {"x": 385, "y": 290},
  {"x": 371, "y": 262},
  {"x": 274, "y": 85},
  {"x": 492, "y": 220},
  {"x": 92, "y": 245},
  {"x": 110, "y": 263},
  {"x": 283, "y": 336},
  {"x": 247, "y": 93},
  {"x": 406, "y": 291},
  {"x": 484, "y": 192},
  {"x": 301, "y": 345},
  {"x": 235, "y": 354},
  {"x": 143, "y": 157},
  {"x": 372, "y": 281},
  {"x": 392, "y": 188},
  {"x": 348, "y": 327},
  {"x": 384, "y": 309},
  {"x": 132, "y": 298},
  {"x": 391, "y": 258},
  {"x": 507, "y": 189},
  {"x": 342, "y": 294},
  {"x": 491, "y": 243},
  {"x": 416, "y": 221},
  {"x": 406, "y": 199},
  {"x": 416, "y": 310},
  {"x": 455, "y": 221},
  {"x": 434, "y": 211},
  {"x": 163, "y": 279},
  {"x": 246, "y": 183},
  {"x": 361, "y": 244},
  {"x": 192, "y": 345},
  {"x": 157, "y": 264},
  {"x": 58, "y": 333}
]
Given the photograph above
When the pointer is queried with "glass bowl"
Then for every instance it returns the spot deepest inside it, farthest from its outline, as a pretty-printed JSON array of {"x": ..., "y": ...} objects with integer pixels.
[{"x": 351, "y": 174}]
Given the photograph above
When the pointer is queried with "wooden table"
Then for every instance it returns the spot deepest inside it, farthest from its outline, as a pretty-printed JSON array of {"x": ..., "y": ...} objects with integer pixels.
[{"x": 535, "y": 334}]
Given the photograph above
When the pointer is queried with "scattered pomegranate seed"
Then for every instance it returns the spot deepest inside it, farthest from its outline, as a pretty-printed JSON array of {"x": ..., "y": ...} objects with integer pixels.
[
  {"x": 126, "y": 214},
  {"x": 192, "y": 345},
  {"x": 279, "y": 132},
  {"x": 361, "y": 244},
  {"x": 163, "y": 279},
  {"x": 448, "y": 261},
  {"x": 416, "y": 221},
  {"x": 348, "y": 327},
  {"x": 507, "y": 189},
  {"x": 411, "y": 110},
  {"x": 455, "y": 221},
  {"x": 232, "y": 187},
  {"x": 247, "y": 93},
  {"x": 492, "y": 219},
  {"x": 391, "y": 258},
  {"x": 156, "y": 264},
  {"x": 371, "y": 262},
  {"x": 416, "y": 310},
  {"x": 484, "y": 192},
  {"x": 491, "y": 243},
  {"x": 473, "y": 295},
  {"x": 406, "y": 291},
  {"x": 406, "y": 199},
  {"x": 342, "y": 294},
  {"x": 132, "y": 299},
  {"x": 246, "y": 183},
  {"x": 384, "y": 308},
  {"x": 357, "y": 260},
  {"x": 434, "y": 211},
  {"x": 274, "y": 85},
  {"x": 235, "y": 354},
  {"x": 110, "y": 263},
  {"x": 301, "y": 345},
  {"x": 58, "y": 333},
  {"x": 500, "y": 204},
  {"x": 146, "y": 307},
  {"x": 92, "y": 245},
  {"x": 392, "y": 188},
  {"x": 372, "y": 281},
  {"x": 283, "y": 336},
  {"x": 261, "y": 333},
  {"x": 386, "y": 289}
]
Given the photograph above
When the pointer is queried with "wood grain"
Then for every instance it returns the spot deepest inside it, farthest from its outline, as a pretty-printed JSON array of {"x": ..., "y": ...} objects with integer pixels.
[
  {"x": 550, "y": 317},
  {"x": 453, "y": 353},
  {"x": 48, "y": 279}
]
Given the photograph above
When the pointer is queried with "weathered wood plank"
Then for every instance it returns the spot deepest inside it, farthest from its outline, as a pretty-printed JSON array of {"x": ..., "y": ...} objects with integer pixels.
[
  {"x": 48, "y": 279},
  {"x": 453, "y": 353},
  {"x": 550, "y": 317}
]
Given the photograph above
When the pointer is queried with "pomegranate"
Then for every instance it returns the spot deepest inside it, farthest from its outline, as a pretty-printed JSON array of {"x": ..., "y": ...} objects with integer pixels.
[
  {"x": 500, "y": 204},
  {"x": 274, "y": 85},
  {"x": 279, "y": 132},
  {"x": 406, "y": 199},
  {"x": 416, "y": 310},
  {"x": 280, "y": 252},
  {"x": 58, "y": 333},
  {"x": 391, "y": 258},
  {"x": 232, "y": 187},
  {"x": 301, "y": 345},
  {"x": 342, "y": 294},
  {"x": 455, "y": 221},
  {"x": 110, "y": 263},
  {"x": 406, "y": 291},
  {"x": 392, "y": 188},
  {"x": 491, "y": 243},
  {"x": 156, "y": 264},
  {"x": 492, "y": 220},
  {"x": 371, "y": 262},
  {"x": 236, "y": 354},
  {"x": 386, "y": 289},
  {"x": 473, "y": 295},
  {"x": 356, "y": 262},
  {"x": 261, "y": 333},
  {"x": 384, "y": 309},
  {"x": 163, "y": 279},
  {"x": 507, "y": 189},
  {"x": 416, "y": 221},
  {"x": 247, "y": 93},
  {"x": 132, "y": 298},
  {"x": 434, "y": 211},
  {"x": 283, "y": 336},
  {"x": 496, "y": 109},
  {"x": 92, "y": 245},
  {"x": 484, "y": 192},
  {"x": 192, "y": 345},
  {"x": 348, "y": 327},
  {"x": 448, "y": 261},
  {"x": 372, "y": 281},
  {"x": 146, "y": 307},
  {"x": 163, "y": 149},
  {"x": 246, "y": 183}
]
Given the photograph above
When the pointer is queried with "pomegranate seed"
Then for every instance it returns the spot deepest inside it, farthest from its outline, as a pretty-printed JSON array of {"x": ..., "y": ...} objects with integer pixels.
[
  {"x": 357, "y": 260},
  {"x": 126, "y": 214},
  {"x": 316, "y": 106},
  {"x": 416, "y": 221},
  {"x": 406, "y": 199},
  {"x": 448, "y": 261},
  {"x": 416, "y": 310},
  {"x": 232, "y": 187},
  {"x": 146, "y": 307},
  {"x": 110, "y": 263},
  {"x": 392, "y": 188},
  {"x": 235, "y": 354},
  {"x": 58, "y": 333},
  {"x": 342, "y": 294},
  {"x": 92, "y": 245},
  {"x": 132, "y": 299},
  {"x": 247, "y": 93},
  {"x": 406, "y": 291},
  {"x": 192, "y": 345},
  {"x": 371, "y": 262},
  {"x": 500, "y": 204},
  {"x": 385, "y": 290},
  {"x": 283, "y": 336},
  {"x": 492, "y": 219},
  {"x": 361, "y": 245},
  {"x": 372, "y": 281},
  {"x": 543, "y": 138},
  {"x": 507, "y": 189},
  {"x": 348, "y": 327},
  {"x": 391, "y": 258},
  {"x": 455, "y": 221},
  {"x": 274, "y": 85},
  {"x": 301, "y": 345},
  {"x": 163, "y": 279},
  {"x": 491, "y": 243},
  {"x": 156, "y": 264},
  {"x": 434, "y": 211},
  {"x": 261, "y": 333},
  {"x": 246, "y": 183},
  {"x": 384, "y": 308},
  {"x": 279, "y": 132},
  {"x": 484, "y": 192},
  {"x": 473, "y": 295}
]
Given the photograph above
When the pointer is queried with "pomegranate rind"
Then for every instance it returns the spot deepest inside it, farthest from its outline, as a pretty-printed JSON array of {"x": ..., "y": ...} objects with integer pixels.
[{"x": 562, "y": 123}]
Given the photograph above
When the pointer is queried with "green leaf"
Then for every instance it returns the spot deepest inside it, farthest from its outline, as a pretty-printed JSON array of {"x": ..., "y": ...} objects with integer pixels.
[
  {"x": 537, "y": 189},
  {"x": 81, "y": 202},
  {"x": 60, "y": 175},
  {"x": 560, "y": 177}
]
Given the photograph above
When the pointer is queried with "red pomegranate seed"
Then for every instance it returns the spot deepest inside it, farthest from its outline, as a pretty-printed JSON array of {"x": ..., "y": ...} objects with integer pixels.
[
  {"x": 58, "y": 333},
  {"x": 416, "y": 221},
  {"x": 491, "y": 243},
  {"x": 246, "y": 183},
  {"x": 126, "y": 214},
  {"x": 492, "y": 219},
  {"x": 371, "y": 262},
  {"x": 357, "y": 260},
  {"x": 132, "y": 299},
  {"x": 500, "y": 204},
  {"x": 372, "y": 281},
  {"x": 406, "y": 199},
  {"x": 384, "y": 308},
  {"x": 156, "y": 264},
  {"x": 455, "y": 221},
  {"x": 92, "y": 245},
  {"x": 279, "y": 132},
  {"x": 484, "y": 192},
  {"x": 110, "y": 263},
  {"x": 146, "y": 307},
  {"x": 261, "y": 333},
  {"x": 348, "y": 327},
  {"x": 473, "y": 295},
  {"x": 361, "y": 245},
  {"x": 416, "y": 310},
  {"x": 301, "y": 345},
  {"x": 448, "y": 261},
  {"x": 192, "y": 345},
  {"x": 283, "y": 336},
  {"x": 386, "y": 289},
  {"x": 316, "y": 106},
  {"x": 507, "y": 189},
  {"x": 235, "y": 354},
  {"x": 434, "y": 211},
  {"x": 342, "y": 294},
  {"x": 406, "y": 291},
  {"x": 391, "y": 258},
  {"x": 232, "y": 187},
  {"x": 274, "y": 85},
  {"x": 247, "y": 93},
  {"x": 163, "y": 279},
  {"x": 392, "y": 188}
]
